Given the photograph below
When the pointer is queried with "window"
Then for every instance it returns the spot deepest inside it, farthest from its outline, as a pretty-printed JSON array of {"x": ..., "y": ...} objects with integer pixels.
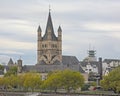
[
  {"x": 42, "y": 45},
  {"x": 90, "y": 69},
  {"x": 45, "y": 45},
  {"x": 55, "y": 46}
]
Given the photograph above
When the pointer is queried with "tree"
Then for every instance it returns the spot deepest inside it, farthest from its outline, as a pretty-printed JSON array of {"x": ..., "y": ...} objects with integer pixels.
[
  {"x": 1, "y": 67},
  {"x": 112, "y": 80},
  {"x": 9, "y": 82},
  {"x": 12, "y": 71},
  {"x": 32, "y": 81},
  {"x": 67, "y": 79},
  {"x": 53, "y": 82},
  {"x": 5, "y": 82},
  {"x": 71, "y": 80},
  {"x": 13, "y": 81}
]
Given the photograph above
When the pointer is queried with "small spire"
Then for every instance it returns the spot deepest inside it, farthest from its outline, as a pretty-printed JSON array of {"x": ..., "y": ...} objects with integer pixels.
[
  {"x": 39, "y": 29},
  {"x": 10, "y": 62},
  {"x": 59, "y": 29}
]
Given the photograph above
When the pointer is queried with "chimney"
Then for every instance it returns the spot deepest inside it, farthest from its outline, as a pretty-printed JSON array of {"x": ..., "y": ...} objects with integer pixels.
[{"x": 100, "y": 68}]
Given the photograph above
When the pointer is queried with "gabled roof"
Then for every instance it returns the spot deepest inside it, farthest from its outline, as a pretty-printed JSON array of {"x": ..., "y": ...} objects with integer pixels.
[{"x": 49, "y": 27}]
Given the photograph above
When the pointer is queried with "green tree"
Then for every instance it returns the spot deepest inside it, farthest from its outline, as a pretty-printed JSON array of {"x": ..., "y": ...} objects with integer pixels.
[
  {"x": 71, "y": 80},
  {"x": 32, "y": 81},
  {"x": 112, "y": 80},
  {"x": 1, "y": 81},
  {"x": 21, "y": 79},
  {"x": 12, "y": 71},
  {"x": 67, "y": 79},
  {"x": 53, "y": 82},
  {"x": 1, "y": 67},
  {"x": 13, "y": 81},
  {"x": 5, "y": 82}
]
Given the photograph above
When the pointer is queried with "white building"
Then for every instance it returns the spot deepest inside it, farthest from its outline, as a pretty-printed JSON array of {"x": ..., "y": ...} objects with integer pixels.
[{"x": 109, "y": 65}]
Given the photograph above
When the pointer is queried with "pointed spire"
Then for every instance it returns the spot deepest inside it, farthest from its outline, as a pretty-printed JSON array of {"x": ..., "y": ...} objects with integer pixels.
[
  {"x": 39, "y": 29},
  {"x": 49, "y": 28},
  {"x": 49, "y": 23},
  {"x": 59, "y": 29}
]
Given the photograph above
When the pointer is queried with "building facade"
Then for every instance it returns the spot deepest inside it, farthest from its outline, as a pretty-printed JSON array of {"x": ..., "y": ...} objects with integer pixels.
[
  {"x": 109, "y": 65},
  {"x": 49, "y": 54},
  {"x": 49, "y": 49}
]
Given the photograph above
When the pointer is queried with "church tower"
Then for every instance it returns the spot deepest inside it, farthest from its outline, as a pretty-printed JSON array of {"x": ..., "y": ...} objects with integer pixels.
[{"x": 49, "y": 46}]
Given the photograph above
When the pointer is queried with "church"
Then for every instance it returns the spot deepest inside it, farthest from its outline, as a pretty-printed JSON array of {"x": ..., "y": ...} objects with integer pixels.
[{"x": 49, "y": 52}]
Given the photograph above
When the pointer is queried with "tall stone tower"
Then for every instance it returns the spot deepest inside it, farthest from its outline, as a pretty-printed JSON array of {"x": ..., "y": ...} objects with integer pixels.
[
  {"x": 19, "y": 62},
  {"x": 49, "y": 46}
]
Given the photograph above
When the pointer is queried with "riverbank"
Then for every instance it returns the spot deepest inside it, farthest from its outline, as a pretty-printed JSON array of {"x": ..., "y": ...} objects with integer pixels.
[{"x": 55, "y": 94}]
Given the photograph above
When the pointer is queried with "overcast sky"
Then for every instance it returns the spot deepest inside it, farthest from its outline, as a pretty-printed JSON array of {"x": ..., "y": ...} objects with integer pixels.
[{"x": 84, "y": 23}]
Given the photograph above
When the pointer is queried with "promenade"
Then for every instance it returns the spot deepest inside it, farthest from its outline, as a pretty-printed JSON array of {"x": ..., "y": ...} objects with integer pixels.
[{"x": 50, "y": 94}]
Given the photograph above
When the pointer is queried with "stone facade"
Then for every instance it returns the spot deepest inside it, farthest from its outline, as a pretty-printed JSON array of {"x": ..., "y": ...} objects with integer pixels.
[
  {"x": 49, "y": 46},
  {"x": 49, "y": 53}
]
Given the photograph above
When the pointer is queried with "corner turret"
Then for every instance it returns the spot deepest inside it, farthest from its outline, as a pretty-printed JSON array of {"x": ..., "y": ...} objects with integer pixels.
[
  {"x": 39, "y": 33},
  {"x": 59, "y": 33}
]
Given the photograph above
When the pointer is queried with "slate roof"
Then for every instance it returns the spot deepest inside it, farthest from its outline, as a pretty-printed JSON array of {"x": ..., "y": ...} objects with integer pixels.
[
  {"x": 28, "y": 68},
  {"x": 71, "y": 60},
  {"x": 39, "y": 29},
  {"x": 67, "y": 62},
  {"x": 49, "y": 27},
  {"x": 59, "y": 29},
  {"x": 83, "y": 64}
]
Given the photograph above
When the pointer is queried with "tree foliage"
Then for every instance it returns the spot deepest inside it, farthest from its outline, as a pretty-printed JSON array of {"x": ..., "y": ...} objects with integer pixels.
[
  {"x": 1, "y": 67},
  {"x": 22, "y": 81},
  {"x": 67, "y": 79},
  {"x": 11, "y": 71},
  {"x": 32, "y": 81},
  {"x": 13, "y": 81},
  {"x": 53, "y": 82},
  {"x": 112, "y": 80},
  {"x": 71, "y": 80}
]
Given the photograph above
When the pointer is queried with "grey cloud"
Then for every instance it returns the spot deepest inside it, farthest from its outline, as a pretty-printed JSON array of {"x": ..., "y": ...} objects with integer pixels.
[{"x": 72, "y": 16}]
